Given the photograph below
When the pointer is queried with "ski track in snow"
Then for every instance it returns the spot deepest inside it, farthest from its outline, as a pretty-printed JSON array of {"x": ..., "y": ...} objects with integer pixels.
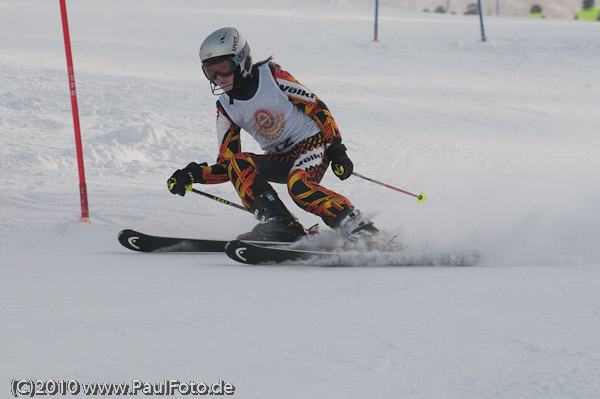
[{"x": 501, "y": 136}]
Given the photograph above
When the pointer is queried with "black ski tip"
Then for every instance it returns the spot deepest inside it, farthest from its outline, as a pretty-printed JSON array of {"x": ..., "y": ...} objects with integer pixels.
[
  {"x": 128, "y": 238},
  {"x": 140, "y": 242},
  {"x": 268, "y": 252},
  {"x": 236, "y": 250}
]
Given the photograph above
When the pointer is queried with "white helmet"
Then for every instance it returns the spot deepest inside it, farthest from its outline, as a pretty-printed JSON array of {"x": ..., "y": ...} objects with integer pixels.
[{"x": 227, "y": 44}]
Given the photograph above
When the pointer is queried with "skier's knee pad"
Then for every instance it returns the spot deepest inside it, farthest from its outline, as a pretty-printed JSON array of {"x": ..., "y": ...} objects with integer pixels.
[
  {"x": 297, "y": 186},
  {"x": 240, "y": 164},
  {"x": 244, "y": 175}
]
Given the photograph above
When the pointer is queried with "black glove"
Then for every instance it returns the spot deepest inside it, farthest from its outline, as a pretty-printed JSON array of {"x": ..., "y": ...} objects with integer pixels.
[
  {"x": 340, "y": 163},
  {"x": 181, "y": 181}
]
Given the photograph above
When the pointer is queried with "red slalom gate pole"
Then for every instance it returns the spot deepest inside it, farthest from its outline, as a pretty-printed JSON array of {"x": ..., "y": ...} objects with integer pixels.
[
  {"x": 420, "y": 197},
  {"x": 85, "y": 213}
]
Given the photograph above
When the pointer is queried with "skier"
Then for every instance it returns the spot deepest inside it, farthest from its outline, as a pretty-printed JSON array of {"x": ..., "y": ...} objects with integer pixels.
[{"x": 294, "y": 128}]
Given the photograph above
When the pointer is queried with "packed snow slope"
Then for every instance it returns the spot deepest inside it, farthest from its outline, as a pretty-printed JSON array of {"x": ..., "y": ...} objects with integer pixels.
[{"x": 502, "y": 136}]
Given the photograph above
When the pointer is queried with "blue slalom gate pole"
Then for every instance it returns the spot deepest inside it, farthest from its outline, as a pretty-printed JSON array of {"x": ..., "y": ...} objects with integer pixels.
[
  {"x": 376, "y": 17},
  {"x": 481, "y": 21}
]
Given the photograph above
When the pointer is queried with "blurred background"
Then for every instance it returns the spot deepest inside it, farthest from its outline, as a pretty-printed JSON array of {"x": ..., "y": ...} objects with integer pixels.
[{"x": 564, "y": 9}]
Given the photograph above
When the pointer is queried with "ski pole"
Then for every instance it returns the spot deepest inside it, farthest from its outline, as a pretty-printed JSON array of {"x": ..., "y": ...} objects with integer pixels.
[
  {"x": 420, "y": 197},
  {"x": 218, "y": 199}
]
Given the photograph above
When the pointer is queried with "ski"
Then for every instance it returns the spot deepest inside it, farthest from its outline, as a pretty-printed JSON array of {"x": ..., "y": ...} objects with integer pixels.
[
  {"x": 259, "y": 254},
  {"x": 136, "y": 241},
  {"x": 141, "y": 242}
]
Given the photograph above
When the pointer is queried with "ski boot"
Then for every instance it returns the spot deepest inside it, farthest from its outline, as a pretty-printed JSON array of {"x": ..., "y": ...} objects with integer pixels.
[
  {"x": 276, "y": 221},
  {"x": 360, "y": 234}
]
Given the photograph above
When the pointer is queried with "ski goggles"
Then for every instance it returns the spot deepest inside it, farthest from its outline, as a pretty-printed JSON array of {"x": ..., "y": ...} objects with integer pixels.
[{"x": 224, "y": 67}]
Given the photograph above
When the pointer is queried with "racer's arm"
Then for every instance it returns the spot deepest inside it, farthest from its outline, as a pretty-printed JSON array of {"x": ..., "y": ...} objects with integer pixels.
[
  {"x": 312, "y": 106},
  {"x": 229, "y": 144},
  {"x": 228, "y": 134},
  {"x": 307, "y": 101}
]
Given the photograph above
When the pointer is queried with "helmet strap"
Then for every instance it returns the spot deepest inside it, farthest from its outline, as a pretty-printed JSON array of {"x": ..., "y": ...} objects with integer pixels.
[{"x": 216, "y": 90}]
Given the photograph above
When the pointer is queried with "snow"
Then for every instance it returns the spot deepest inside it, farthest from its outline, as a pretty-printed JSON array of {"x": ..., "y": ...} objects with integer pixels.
[{"x": 501, "y": 136}]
